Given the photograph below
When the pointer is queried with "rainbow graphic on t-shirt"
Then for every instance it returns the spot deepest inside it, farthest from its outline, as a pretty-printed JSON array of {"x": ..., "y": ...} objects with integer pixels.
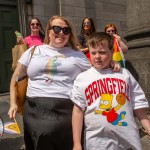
[
  {"x": 51, "y": 66},
  {"x": 117, "y": 53}
]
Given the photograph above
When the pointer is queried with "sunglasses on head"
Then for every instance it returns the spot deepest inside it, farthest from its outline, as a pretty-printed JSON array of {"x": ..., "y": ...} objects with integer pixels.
[
  {"x": 57, "y": 29},
  {"x": 33, "y": 24},
  {"x": 110, "y": 31}
]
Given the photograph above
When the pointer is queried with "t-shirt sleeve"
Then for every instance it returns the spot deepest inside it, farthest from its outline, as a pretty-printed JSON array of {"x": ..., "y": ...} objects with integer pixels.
[
  {"x": 76, "y": 95},
  {"x": 26, "y": 56},
  {"x": 137, "y": 95},
  {"x": 83, "y": 62}
]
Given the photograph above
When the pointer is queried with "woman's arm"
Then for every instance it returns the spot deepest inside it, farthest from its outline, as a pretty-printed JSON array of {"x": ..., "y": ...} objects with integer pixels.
[
  {"x": 84, "y": 50},
  {"x": 20, "y": 70},
  {"x": 77, "y": 123}
]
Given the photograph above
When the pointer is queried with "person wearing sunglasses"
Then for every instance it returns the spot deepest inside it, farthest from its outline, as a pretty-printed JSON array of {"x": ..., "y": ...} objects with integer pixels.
[
  {"x": 119, "y": 47},
  {"x": 87, "y": 28},
  {"x": 36, "y": 36}
]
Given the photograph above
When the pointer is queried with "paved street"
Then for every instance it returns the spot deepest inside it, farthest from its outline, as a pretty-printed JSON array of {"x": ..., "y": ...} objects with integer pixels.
[
  {"x": 10, "y": 141},
  {"x": 15, "y": 142}
]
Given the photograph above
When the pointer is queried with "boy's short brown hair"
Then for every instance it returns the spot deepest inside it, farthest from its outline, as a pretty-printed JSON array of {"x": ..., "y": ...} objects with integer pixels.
[{"x": 98, "y": 38}]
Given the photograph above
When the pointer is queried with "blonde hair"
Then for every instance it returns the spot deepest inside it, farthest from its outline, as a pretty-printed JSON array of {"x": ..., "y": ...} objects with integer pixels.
[{"x": 73, "y": 40}]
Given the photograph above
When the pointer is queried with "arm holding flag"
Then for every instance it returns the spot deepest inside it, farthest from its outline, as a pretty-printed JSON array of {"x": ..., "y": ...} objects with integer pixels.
[{"x": 122, "y": 45}]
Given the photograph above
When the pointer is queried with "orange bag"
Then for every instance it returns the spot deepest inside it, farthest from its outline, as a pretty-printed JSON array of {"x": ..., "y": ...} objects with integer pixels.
[{"x": 20, "y": 90}]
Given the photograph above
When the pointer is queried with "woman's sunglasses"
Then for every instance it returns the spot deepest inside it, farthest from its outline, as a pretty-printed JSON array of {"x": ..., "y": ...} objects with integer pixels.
[
  {"x": 33, "y": 24},
  {"x": 57, "y": 29}
]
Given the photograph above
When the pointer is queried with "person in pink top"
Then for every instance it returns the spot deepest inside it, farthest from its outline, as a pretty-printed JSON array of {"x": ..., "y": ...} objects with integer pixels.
[{"x": 36, "y": 36}]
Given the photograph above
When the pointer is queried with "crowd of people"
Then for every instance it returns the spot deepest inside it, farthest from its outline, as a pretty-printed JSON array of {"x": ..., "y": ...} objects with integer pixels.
[{"x": 63, "y": 78}]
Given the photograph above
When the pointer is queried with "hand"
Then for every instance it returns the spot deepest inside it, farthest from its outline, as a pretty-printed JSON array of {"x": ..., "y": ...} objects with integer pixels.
[
  {"x": 117, "y": 37},
  {"x": 19, "y": 39},
  {"x": 12, "y": 111},
  {"x": 115, "y": 66},
  {"x": 148, "y": 133}
]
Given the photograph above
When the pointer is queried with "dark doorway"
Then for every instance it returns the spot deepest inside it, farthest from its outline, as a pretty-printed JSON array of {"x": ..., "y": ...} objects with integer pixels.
[{"x": 9, "y": 23}]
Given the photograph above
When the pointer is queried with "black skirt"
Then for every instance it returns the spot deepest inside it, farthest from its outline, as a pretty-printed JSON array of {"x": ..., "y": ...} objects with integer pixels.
[{"x": 47, "y": 124}]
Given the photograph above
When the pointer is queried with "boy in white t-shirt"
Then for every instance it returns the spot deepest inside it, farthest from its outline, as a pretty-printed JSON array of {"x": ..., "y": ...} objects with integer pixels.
[{"x": 107, "y": 102}]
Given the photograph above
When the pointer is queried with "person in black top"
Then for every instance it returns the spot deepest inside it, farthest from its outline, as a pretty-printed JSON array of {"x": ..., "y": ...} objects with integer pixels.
[{"x": 87, "y": 29}]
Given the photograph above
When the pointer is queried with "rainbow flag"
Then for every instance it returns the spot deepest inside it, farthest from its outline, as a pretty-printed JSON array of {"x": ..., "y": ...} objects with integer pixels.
[{"x": 118, "y": 54}]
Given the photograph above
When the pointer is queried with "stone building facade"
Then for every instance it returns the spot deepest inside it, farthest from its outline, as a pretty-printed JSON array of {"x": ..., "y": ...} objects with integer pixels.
[
  {"x": 101, "y": 11},
  {"x": 138, "y": 40}
]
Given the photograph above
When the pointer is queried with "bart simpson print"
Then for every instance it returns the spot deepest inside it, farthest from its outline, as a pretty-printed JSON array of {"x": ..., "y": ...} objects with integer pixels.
[{"x": 111, "y": 113}]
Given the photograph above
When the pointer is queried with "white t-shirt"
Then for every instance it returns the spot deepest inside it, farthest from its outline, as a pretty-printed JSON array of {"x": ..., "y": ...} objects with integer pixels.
[
  {"x": 52, "y": 71},
  {"x": 109, "y": 125}
]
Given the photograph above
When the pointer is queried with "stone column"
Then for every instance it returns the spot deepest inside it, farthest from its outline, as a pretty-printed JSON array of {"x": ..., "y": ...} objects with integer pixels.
[
  {"x": 22, "y": 17},
  {"x": 138, "y": 41}
]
